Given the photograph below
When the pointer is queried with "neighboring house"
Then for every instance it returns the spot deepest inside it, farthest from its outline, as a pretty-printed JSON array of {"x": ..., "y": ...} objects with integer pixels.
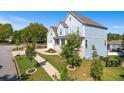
[
  {"x": 91, "y": 33},
  {"x": 114, "y": 46}
]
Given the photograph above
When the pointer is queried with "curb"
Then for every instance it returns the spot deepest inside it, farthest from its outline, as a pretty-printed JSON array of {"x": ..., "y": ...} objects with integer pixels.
[{"x": 16, "y": 65}]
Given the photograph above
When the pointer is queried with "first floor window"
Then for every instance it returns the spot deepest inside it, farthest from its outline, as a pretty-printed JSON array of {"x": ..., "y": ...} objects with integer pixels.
[
  {"x": 105, "y": 42},
  {"x": 86, "y": 45},
  {"x": 60, "y": 32}
]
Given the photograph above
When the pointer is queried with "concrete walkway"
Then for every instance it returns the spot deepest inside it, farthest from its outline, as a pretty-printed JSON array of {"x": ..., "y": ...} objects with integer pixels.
[
  {"x": 7, "y": 66},
  {"x": 46, "y": 65}
]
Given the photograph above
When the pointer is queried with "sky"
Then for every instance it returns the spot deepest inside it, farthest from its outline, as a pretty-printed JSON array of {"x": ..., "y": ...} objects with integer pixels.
[{"x": 113, "y": 20}]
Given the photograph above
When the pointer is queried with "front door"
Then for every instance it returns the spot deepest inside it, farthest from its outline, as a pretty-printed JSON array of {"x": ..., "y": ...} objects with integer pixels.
[{"x": 63, "y": 42}]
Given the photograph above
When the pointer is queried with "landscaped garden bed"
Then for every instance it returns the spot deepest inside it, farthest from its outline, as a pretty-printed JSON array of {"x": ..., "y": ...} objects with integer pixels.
[
  {"x": 31, "y": 71},
  {"x": 112, "y": 61},
  {"x": 24, "y": 64},
  {"x": 69, "y": 67},
  {"x": 51, "y": 50}
]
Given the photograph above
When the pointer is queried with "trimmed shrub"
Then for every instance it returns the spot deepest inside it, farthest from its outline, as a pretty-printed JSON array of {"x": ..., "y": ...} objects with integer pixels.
[{"x": 112, "y": 61}]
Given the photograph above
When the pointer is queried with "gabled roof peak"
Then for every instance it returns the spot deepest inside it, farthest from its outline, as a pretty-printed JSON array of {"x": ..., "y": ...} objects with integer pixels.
[
  {"x": 86, "y": 21},
  {"x": 63, "y": 24},
  {"x": 54, "y": 28}
]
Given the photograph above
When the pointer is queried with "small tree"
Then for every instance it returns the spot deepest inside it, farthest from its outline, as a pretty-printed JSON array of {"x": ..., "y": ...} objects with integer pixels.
[
  {"x": 94, "y": 54},
  {"x": 96, "y": 66},
  {"x": 63, "y": 73},
  {"x": 70, "y": 51},
  {"x": 30, "y": 52},
  {"x": 96, "y": 70}
]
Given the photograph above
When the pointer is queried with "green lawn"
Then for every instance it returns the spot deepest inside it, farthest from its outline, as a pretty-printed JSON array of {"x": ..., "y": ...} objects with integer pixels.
[
  {"x": 113, "y": 73},
  {"x": 55, "y": 60},
  {"x": 80, "y": 71},
  {"x": 109, "y": 73},
  {"x": 24, "y": 64}
]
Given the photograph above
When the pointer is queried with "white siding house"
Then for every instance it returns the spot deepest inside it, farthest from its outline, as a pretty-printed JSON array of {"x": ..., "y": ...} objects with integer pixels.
[{"x": 91, "y": 33}]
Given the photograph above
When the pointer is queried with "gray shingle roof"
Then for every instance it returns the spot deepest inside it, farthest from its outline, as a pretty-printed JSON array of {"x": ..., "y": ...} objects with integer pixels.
[
  {"x": 54, "y": 28},
  {"x": 86, "y": 20},
  {"x": 64, "y": 24}
]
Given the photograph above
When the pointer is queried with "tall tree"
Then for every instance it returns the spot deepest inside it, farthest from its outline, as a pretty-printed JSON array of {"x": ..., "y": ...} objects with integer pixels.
[
  {"x": 6, "y": 31},
  {"x": 71, "y": 49},
  {"x": 17, "y": 37},
  {"x": 34, "y": 32},
  {"x": 96, "y": 66},
  {"x": 122, "y": 41},
  {"x": 114, "y": 36}
]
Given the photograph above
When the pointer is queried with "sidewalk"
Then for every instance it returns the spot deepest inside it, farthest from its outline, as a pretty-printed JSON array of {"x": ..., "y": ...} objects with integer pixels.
[{"x": 48, "y": 67}]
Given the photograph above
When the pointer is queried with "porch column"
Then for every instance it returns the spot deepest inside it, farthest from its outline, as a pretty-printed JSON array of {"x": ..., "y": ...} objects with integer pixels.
[{"x": 65, "y": 41}]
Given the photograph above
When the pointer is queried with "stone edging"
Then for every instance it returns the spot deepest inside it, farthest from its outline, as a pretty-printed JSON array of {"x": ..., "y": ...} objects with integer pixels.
[
  {"x": 71, "y": 69},
  {"x": 16, "y": 65},
  {"x": 35, "y": 69}
]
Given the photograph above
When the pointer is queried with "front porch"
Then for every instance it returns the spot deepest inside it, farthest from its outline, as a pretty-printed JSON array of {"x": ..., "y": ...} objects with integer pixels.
[{"x": 62, "y": 40}]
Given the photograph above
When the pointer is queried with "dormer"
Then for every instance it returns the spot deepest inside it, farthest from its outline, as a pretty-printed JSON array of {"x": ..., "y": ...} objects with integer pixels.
[{"x": 62, "y": 27}]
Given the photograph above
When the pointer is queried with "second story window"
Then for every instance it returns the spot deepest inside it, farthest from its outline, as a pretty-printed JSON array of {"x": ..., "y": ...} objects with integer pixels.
[
  {"x": 105, "y": 42},
  {"x": 51, "y": 33},
  {"x": 77, "y": 29},
  {"x": 60, "y": 32},
  {"x": 86, "y": 45}
]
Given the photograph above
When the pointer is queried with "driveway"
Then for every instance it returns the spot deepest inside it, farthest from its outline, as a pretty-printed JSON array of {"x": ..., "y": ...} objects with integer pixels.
[{"x": 7, "y": 67}]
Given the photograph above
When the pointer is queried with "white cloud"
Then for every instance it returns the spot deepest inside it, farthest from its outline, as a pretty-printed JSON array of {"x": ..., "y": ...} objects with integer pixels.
[
  {"x": 117, "y": 26},
  {"x": 16, "y": 21}
]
